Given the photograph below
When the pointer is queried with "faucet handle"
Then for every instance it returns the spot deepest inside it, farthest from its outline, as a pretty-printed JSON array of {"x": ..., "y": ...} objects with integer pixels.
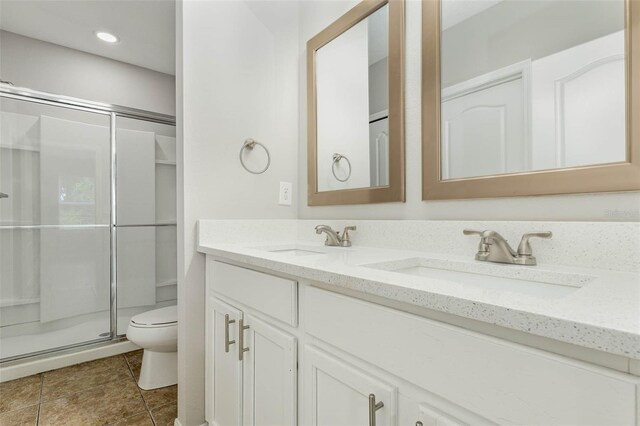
[
  {"x": 319, "y": 228},
  {"x": 524, "y": 249},
  {"x": 483, "y": 246},
  {"x": 345, "y": 241}
]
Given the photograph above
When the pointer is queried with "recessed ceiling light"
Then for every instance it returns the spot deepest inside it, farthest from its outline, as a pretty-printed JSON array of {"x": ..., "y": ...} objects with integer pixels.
[{"x": 108, "y": 37}]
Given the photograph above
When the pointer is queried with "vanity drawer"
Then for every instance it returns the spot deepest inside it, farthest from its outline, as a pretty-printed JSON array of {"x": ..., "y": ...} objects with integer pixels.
[
  {"x": 271, "y": 295},
  {"x": 499, "y": 380}
]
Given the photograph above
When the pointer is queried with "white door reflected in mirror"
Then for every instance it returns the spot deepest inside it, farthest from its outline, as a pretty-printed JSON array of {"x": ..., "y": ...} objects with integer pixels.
[
  {"x": 531, "y": 85},
  {"x": 352, "y": 107}
]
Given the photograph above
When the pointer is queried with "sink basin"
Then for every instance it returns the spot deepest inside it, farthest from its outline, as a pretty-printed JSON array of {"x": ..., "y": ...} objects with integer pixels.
[
  {"x": 528, "y": 280},
  {"x": 292, "y": 250}
]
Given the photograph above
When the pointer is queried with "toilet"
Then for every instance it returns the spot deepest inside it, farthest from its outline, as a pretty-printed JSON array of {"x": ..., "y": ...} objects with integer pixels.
[{"x": 156, "y": 332}]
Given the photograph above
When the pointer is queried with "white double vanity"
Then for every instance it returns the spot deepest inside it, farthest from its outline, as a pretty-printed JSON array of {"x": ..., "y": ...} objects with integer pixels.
[{"x": 406, "y": 328}]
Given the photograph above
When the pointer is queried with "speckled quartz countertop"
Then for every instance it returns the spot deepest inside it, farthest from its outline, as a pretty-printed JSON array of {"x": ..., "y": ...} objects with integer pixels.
[{"x": 594, "y": 308}]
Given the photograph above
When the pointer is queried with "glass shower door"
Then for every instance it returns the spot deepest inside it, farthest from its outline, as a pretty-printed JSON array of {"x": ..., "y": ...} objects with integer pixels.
[
  {"x": 54, "y": 227},
  {"x": 146, "y": 252}
]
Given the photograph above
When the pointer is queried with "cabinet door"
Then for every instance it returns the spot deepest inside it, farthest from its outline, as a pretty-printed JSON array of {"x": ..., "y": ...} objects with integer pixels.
[
  {"x": 430, "y": 416},
  {"x": 425, "y": 415},
  {"x": 429, "y": 410},
  {"x": 270, "y": 375},
  {"x": 223, "y": 368},
  {"x": 338, "y": 393}
]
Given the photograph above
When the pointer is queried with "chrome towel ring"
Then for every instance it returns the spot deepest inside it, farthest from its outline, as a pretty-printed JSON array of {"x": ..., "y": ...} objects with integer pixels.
[
  {"x": 249, "y": 144},
  {"x": 336, "y": 159}
]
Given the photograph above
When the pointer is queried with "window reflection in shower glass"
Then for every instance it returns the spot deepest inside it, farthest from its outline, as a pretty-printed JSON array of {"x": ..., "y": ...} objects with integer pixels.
[
  {"x": 54, "y": 227},
  {"x": 77, "y": 199}
]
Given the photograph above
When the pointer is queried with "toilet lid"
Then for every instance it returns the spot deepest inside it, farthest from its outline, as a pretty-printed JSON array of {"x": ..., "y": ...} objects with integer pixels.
[{"x": 162, "y": 316}]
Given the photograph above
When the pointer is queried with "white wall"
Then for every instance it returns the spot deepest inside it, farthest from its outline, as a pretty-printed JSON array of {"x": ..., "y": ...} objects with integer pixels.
[
  {"x": 314, "y": 16},
  {"x": 48, "y": 67},
  {"x": 237, "y": 75}
]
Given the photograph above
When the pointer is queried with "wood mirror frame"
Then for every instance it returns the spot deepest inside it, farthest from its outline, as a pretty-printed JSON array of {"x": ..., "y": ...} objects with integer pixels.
[
  {"x": 622, "y": 176},
  {"x": 395, "y": 191}
]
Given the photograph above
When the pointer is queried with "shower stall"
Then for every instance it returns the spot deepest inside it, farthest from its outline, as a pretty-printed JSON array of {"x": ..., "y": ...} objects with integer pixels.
[{"x": 87, "y": 220}]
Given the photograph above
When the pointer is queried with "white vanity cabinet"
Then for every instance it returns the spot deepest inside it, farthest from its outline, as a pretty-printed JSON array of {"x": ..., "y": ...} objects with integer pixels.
[
  {"x": 493, "y": 379},
  {"x": 362, "y": 363},
  {"x": 269, "y": 375},
  {"x": 224, "y": 370},
  {"x": 251, "y": 364},
  {"x": 428, "y": 416},
  {"x": 415, "y": 413},
  {"x": 339, "y": 393}
]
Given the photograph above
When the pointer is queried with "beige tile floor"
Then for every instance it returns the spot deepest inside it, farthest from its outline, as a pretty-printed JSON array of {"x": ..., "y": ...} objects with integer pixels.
[{"x": 101, "y": 392}]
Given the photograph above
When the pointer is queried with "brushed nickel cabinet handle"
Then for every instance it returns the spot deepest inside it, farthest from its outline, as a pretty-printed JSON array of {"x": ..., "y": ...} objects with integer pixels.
[
  {"x": 373, "y": 407},
  {"x": 419, "y": 423},
  {"x": 227, "y": 342},
  {"x": 3, "y": 195},
  {"x": 241, "y": 329}
]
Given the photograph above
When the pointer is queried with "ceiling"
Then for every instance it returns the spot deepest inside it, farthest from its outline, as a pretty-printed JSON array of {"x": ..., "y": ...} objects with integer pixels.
[{"x": 146, "y": 28}]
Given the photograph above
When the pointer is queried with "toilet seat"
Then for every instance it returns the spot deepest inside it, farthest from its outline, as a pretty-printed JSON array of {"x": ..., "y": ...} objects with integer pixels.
[{"x": 157, "y": 318}]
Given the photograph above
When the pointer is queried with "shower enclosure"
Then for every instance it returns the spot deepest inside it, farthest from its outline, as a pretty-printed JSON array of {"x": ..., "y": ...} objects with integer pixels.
[{"x": 87, "y": 220}]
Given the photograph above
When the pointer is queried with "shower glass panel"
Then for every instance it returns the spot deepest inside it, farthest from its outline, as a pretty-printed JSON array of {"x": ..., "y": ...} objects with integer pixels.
[
  {"x": 145, "y": 217},
  {"x": 54, "y": 227}
]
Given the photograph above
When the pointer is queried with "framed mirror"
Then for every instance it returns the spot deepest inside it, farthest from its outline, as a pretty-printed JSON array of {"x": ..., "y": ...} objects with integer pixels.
[
  {"x": 529, "y": 97},
  {"x": 355, "y": 107}
]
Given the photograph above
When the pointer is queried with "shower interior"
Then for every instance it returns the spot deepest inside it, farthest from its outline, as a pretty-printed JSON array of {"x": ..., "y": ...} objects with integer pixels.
[{"x": 88, "y": 224}]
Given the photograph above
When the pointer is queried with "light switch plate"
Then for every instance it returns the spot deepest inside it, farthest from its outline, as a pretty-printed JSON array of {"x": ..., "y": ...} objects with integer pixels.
[{"x": 286, "y": 195}]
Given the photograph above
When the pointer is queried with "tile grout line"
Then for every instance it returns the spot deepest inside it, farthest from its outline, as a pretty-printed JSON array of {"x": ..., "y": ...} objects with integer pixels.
[
  {"x": 40, "y": 401},
  {"x": 76, "y": 392},
  {"x": 162, "y": 406},
  {"x": 20, "y": 408},
  {"x": 40, "y": 398},
  {"x": 144, "y": 401}
]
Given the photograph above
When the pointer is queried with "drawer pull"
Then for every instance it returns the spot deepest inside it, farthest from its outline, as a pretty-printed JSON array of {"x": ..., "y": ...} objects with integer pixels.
[
  {"x": 373, "y": 407},
  {"x": 419, "y": 423},
  {"x": 241, "y": 330},
  {"x": 227, "y": 342}
]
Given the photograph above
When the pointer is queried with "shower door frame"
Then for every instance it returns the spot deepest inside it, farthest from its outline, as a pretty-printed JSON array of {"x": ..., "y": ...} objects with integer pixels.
[{"x": 113, "y": 111}]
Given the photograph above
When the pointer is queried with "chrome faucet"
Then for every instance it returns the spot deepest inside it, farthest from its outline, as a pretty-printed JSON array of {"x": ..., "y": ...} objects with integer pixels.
[
  {"x": 494, "y": 248},
  {"x": 334, "y": 238}
]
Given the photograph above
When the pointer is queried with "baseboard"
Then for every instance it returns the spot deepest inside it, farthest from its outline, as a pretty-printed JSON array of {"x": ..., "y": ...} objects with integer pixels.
[
  {"x": 177, "y": 423},
  {"x": 28, "y": 366}
]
